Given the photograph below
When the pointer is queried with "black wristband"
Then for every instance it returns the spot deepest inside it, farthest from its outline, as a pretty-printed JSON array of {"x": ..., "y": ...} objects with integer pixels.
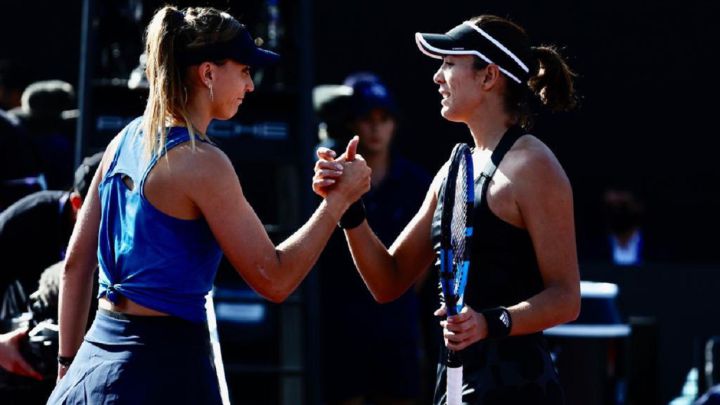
[
  {"x": 354, "y": 216},
  {"x": 65, "y": 361},
  {"x": 499, "y": 322}
]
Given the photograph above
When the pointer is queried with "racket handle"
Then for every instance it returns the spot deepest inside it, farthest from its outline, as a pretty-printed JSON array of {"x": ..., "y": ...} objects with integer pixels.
[{"x": 454, "y": 385}]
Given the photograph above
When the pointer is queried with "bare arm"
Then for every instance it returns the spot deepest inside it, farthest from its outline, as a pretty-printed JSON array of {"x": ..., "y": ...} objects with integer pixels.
[
  {"x": 388, "y": 273},
  {"x": 79, "y": 267},
  {"x": 273, "y": 271},
  {"x": 545, "y": 200}
]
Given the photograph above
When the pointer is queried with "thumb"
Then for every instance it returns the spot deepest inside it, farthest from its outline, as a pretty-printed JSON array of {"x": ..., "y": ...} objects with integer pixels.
[
  {"x": 442, "y": 311},
  {"x": 351, "y": 150}
]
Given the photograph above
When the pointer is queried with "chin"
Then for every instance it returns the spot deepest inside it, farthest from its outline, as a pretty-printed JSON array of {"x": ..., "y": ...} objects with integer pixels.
[
  {"x": 229, "y": 114},
  {"x": 449, "y": 115}
]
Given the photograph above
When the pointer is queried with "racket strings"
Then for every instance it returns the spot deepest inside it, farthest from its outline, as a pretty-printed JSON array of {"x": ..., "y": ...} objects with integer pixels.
[{"x": 458, "y": 224}]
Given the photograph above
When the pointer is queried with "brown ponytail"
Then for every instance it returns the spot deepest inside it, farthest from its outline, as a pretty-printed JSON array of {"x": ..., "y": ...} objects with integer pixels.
[
  {"x": 167, "y": 95},
  {"x": 553, "y": 83}
]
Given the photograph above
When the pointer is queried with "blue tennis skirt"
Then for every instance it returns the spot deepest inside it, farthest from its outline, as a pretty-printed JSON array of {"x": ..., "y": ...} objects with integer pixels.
[{"x": 127, "y": 359}]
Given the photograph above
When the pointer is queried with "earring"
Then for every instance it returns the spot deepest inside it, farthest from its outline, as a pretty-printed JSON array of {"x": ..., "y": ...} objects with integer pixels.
[{"x": 211, "y": 92}]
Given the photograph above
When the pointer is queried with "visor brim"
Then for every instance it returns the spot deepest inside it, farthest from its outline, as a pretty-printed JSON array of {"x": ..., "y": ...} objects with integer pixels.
[
  {"x": 438, "y": 45},
  {"x": 261, "y": 58}
]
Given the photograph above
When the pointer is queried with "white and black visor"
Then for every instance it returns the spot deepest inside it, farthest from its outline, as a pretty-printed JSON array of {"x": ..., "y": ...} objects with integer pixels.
[{"x": 469, "y": 39}]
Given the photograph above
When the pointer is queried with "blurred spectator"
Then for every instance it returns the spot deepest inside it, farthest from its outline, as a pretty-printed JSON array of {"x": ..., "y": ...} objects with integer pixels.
[
  {"x": 29, "y": 342},
  {"x": 624, "y": 215},
  {"x": 34, "y": 231},
  {"x": 20, "y": 172},
  {"x": 48, "y": 113},
  {"x": 332, "y": 105},
  {"x": 14, "y": 78},
  {"x": 370, "y": 352}
]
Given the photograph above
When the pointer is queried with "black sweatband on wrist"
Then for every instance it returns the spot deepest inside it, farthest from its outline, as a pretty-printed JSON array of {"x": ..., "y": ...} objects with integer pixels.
[
  {"x": 65, "y": 361},
  {"x": 354, "y": 216},
  {"x": 499, "y": 322}
]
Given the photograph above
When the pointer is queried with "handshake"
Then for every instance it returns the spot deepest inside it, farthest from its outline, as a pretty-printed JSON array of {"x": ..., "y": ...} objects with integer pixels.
[{"x": 347, "y": 176}]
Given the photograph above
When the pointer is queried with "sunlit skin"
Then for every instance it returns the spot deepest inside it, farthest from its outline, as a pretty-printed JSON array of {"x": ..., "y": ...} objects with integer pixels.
[
  {"x": 231, "y": 82},
  {"x": 459, "y": 100}
]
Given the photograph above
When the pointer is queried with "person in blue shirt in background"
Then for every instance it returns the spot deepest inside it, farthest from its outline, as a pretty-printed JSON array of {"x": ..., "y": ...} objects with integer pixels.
[{"x": 370, "y": 352}]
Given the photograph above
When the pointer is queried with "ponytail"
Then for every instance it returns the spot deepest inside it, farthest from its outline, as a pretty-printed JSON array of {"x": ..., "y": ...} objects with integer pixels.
[
  {"x": 167, "y": 96},
  {"x": 553, "y": 83}
]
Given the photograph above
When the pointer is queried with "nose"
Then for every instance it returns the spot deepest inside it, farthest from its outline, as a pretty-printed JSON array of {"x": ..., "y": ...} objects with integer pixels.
[
  {"x": 250, "y": 87},
  {"x": 438, "y": 77}
]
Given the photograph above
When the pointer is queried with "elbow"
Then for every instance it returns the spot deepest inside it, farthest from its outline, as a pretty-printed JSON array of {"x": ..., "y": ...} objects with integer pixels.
[
  {"x": 276, "y": 297},
  {"x": 268, "y": 283},
  {"x": 572, "y": 311},
  {"x": 382, "y": 298},
  {"x": 75, "y": 269},
  {"x": 385, "y": 296},
  {"x": 275, "y": 293}
]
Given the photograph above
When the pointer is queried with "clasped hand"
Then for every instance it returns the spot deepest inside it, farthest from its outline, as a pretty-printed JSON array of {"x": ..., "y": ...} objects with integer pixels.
[{"x": 348, "y": 174}]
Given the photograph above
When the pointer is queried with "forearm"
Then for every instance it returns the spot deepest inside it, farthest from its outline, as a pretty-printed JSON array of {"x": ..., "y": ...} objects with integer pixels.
[
  {"x": 74, "y": 304},
  {"x": 298, "y": 253},
  {"x": 376, "y": 265},
  {"x": 553, "y": 306}
]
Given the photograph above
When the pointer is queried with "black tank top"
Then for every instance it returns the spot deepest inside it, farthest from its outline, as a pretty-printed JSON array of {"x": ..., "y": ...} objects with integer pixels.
[
  {"x": 503, "y": 271},
  {"x": 503, "y": 268}
]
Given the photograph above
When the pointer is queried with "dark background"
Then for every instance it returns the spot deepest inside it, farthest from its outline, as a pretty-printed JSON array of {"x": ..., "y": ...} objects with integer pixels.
[
  {"x": 647, "y": 118},
  {"x": 646, "y": 75}
]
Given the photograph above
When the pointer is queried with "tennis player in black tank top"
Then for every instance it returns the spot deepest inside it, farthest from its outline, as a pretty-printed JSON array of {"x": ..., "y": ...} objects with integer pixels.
[{"x": 523, "y": 274}]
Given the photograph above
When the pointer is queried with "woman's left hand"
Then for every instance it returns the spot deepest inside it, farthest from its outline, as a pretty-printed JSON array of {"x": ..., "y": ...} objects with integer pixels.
[{"x": 463, "y": 329}]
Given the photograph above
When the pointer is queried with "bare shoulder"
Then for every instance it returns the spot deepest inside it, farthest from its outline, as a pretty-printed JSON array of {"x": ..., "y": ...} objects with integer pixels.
[
  {"x": 438, "y": 179},
  {"x": 201, "y": 172},
  {"x": 199, "y": 164},
  {"x": 531, "y": 165}
]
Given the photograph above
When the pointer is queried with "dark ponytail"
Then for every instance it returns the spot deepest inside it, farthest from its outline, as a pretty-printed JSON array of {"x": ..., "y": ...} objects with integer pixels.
[
  {"x": 553, "y": 83},
  {"x": 550, "y": 78}
]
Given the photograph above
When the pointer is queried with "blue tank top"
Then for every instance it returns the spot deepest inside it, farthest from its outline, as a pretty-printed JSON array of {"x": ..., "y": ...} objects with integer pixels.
[{"x": 156, "y": 260}]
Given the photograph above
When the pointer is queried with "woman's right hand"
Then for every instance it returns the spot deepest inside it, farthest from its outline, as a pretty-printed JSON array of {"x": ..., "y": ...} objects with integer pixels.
[
  {"x": 327, "y": 171},
  {"x": 348, "y": 176}
]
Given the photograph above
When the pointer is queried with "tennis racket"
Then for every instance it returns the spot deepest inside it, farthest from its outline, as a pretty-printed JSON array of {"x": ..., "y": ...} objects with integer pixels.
[{"x": 456, "y": 229}]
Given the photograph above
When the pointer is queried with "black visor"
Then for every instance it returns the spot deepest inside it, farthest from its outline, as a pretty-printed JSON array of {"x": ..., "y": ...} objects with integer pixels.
[
  {"x": 241, "y": 49},
  {"x": 469, "y": 39}
]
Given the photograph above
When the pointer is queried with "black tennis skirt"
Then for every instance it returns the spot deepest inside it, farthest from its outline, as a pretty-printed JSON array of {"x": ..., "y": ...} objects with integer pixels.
[
  {"x": 517, "y": 370},
  {"x": 127, "y": 359}
]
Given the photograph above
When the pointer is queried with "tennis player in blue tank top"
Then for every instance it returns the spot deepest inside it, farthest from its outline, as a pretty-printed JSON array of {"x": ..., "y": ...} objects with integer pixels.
[
  {"x": 523, "y": 275},
  {"x": 163, "y": 206}
]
